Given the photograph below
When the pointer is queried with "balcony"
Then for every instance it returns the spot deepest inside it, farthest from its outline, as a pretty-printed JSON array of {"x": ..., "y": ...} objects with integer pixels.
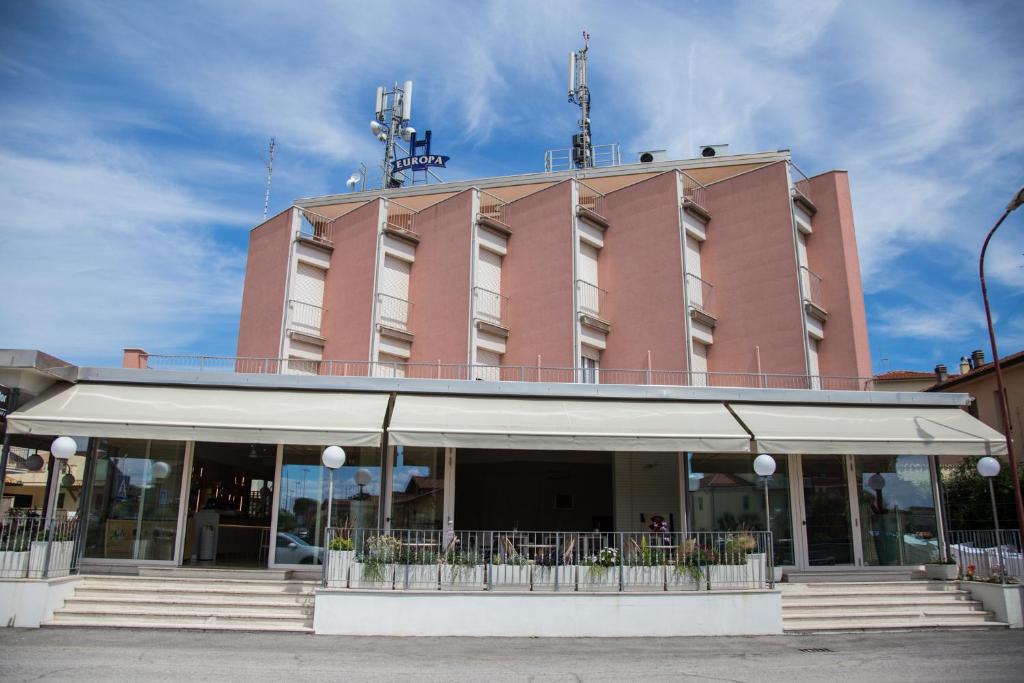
[
  {"x": 814, "y": 299},
  {"x": 315, "y": 229},
  {"x": 700, "y": 299},
  {"x": 694, "y": 197},
  {"x": 490, "y": 311},
  {"x": 305, "y": 321},
  {"x": 400, "y": 223},
  {"x": 590, "y": 205},
  {"x": 494, "y": 214},
  {"x": 393, "y": 315},
  {"x": 802, "y": 190},
  {"x": 591, "y": 302}
]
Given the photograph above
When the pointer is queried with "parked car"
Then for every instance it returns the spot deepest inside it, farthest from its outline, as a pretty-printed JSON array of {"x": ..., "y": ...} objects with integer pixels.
[{"x": 293, "y": 550}]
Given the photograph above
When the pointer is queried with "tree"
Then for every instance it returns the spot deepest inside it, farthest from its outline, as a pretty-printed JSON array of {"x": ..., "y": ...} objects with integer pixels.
[{"x": 968, "y": 501}]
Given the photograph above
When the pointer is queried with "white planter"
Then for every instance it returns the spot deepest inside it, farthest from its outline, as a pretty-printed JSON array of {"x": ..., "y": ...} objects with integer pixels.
[
  {"x": 644, "y": 579},
  {"x": 338, "y": 564},
  {"x": 510, "y": 577},
  {"x": 757, "y": 569},
  {"x": 941, "y": 572},
  {"x": 726, "y": 576},
  {"x": 561, "y": 578},
  {"x": 416, "y": 576},
  {"x": 357, "y": 577},
  {"x": 462, "y": 577},
  {"x": 677, "y": 580},
  {"x": 1006, "y": 602},
  {"x": 598, "y": 578},
  {"x": 60, "y": 559},
  {"x": 13, "y": 565}
]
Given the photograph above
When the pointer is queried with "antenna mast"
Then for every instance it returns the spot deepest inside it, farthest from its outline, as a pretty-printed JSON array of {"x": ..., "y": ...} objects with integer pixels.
[
  {"x": 579, "y": 93},
  {"x": 391, "y": 122},
  {"x": 270, "y": 173}
]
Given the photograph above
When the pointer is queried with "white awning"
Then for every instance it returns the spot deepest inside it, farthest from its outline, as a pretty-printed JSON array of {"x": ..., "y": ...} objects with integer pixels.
[
  {"x": 550, "y": 424},
  {"x": 868, "y": 430},
  {"x": 205, "y": 414}
]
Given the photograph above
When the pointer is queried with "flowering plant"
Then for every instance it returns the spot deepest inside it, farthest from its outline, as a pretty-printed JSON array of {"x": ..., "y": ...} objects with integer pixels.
[
  {"x": 658, "y": 524},
  {"x": 605, "y": 557},
  {"x": 970, "y": 571}
]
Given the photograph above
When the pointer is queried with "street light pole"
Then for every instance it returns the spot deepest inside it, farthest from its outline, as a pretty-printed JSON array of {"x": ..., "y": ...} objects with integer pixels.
[{"x": 1014, "y": 204}]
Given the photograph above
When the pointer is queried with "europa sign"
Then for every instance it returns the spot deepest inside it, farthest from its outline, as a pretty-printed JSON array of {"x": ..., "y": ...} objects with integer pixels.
[{"x": 420, "y": 158}]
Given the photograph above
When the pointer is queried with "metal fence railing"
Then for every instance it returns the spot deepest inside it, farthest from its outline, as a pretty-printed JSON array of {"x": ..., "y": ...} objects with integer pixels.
[
  {"x": 561, "y": 159},
  {"x": 490, "y": 306},
  {"x": 694, "y": 192},
  {"x": 987, "y": 555},
  {"x": 700, "y": 294},
  {"x": 314, "y": 226},
  {"x": 494, "y": 207},
  {"x": 590, "y": 297},
  {"x": 655, "y": 561},
  {"x": 393, "y": 312},
  {"x": 37, "y": 548},
  {"x": 305, "y": 317},
  {"x": 589, "y": 198},
  {"x": 401, "y": 217},
  {"x": 814, "y": 291},
  {"x": 801, "y": 183}
]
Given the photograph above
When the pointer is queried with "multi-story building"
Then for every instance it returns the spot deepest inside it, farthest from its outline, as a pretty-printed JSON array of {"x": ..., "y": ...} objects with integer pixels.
[{"x": 727, "y": 271}]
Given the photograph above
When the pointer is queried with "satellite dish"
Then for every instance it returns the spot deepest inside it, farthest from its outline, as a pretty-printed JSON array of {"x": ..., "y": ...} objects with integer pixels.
[
  {"x": 408, "y": 132},
  {"x": 376, "y": 128},
  {"x": 352, "y": 181},
  {"x": 708, "y": 152}
]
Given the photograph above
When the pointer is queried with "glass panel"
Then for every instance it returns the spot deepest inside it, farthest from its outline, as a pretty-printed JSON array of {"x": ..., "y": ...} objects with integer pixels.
[
  {"x": 827, "y": 510},
  {"x": 897, "y": 509},
  {"x": 417, "y": 488},
  {"x": 726, "y": 495},
  {"x": 135, "y": 496},
  {"x": 302, "y": 514}
]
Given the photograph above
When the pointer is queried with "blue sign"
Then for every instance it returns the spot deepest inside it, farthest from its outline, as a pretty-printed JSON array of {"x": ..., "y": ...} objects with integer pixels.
[
  {"x": 121, "y": 482},
  {"x": 419, "y": 158}
]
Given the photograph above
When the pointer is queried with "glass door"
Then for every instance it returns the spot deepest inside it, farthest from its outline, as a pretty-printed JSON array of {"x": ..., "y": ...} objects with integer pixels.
[{"x": 827, "y": 516}]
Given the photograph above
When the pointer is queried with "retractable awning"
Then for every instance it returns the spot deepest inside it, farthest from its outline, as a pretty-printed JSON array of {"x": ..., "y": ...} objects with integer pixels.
[
  {"x": 205, "y": 414},
  {"x": 867, "y": 430},
  {"x": 550, "y": 424}
]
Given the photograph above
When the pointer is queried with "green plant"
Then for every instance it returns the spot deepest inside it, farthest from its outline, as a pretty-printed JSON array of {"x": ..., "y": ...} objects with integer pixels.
[
  {"x": 380, "y": 552},
  {"x": 339, "y": 543},
  {"x": 737, "y": 547}
]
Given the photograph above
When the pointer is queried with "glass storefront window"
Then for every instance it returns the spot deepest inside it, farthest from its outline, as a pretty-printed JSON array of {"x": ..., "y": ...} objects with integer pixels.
[
  {"x": 135, "y": 499},
  {"x": 302, "y": 507},
  {"x": 724, "y": 494},
  {"x": 417, "y": 488},
  {"x": 897, "y": 509}
]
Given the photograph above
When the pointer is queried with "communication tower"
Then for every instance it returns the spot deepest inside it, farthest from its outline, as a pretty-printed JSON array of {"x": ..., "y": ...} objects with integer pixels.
[
  {"x": 391, "y": 123},
  {"x": 579, "y": 93},
  {"x": 270, "y": 173}
]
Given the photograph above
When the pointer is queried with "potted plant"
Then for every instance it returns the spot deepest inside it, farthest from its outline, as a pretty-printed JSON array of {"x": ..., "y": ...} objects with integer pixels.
[
  {"x": 13, "y": 556},
  {"x": 417, "y": 568},
  {"x": 462, "y": 569},
  {"x": 731, "y": 569},
  {"x": 61, "y": 550},
  {"x": 339, "y": 561},
  {"x": 642, "y": 568},
  {"x": 599, "y": 572},
  {"x": 941, "y": 569},
  {"x": 689, "y": 572},
  {"x": 375, "y": 567},
  {"x": 509, "y": 569}
]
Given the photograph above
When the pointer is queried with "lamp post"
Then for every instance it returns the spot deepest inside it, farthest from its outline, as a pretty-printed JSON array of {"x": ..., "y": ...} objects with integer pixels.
[
  {"x": 989, "y": 467},
  {"x": 764, "y": 467},
  {"x": 62, "y": 448},
  {"x": 333, "y": 457},
  {"x": 1014, "y": 204}
]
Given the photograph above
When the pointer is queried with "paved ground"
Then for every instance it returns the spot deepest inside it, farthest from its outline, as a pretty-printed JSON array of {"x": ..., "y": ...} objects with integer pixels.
[{"x": 74, "y": 654}]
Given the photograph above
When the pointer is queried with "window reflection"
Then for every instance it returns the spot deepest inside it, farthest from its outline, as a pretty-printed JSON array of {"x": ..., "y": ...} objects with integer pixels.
[
  {"x": 417, "y": 488},
  {"x": 897, "y": 509}
]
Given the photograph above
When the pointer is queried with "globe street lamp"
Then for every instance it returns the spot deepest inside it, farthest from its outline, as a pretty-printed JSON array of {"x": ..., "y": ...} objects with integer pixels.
[
  {"x": 764, "y": 467},
  {"x": 1004, "y": 408},
  {"x": 62, "y": 448},
  {"x": 989, "y": 467},
  {"x": 333, "y": 457}
]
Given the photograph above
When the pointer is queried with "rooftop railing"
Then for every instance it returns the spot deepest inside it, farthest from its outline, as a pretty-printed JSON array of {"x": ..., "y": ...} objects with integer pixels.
[
  {"x": 801, "y": 183},
  {"x": 694, "y": 192},
  {"x": 987, "y": 555},
  {"x": 512, "y": 373},
  {"x": 561, "y": 159},
  {"x": 700, "y": 294}
]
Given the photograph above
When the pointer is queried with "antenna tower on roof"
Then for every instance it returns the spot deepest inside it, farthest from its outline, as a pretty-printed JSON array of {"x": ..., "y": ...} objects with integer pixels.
[{"x": 579, "y": 93}]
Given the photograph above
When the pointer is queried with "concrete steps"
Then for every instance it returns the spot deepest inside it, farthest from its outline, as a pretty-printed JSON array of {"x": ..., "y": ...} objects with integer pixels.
[
  {"x": 214, "y": 603},
  {"x": 868, "y": 606}
]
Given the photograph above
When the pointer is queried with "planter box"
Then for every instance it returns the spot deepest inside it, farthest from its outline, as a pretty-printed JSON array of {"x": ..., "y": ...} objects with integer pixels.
[
  {"x": 598, "y": 579},
  {"x": 757, "y": 569},
  {"x": 13, "y": 564},
  {"x": 357, "y": 577},
  {"x": 725, "y": 576},
  {"x": 561, "y": 578},
  {"x": 462, "y": 577},
  {"x": 510, "y": 577},
  {"x": 338, "y": 564},
  {"x": 643, "y": 579},
  {"x": 682, "y": 581},
  {"x": 416, "y": 576},
  {"x": 1006, "y": 602},
  {"x": 941, "y": 572},
  {"x": 60, "y": 559}
]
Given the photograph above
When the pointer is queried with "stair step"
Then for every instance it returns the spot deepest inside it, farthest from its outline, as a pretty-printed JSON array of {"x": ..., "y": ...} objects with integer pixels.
[
  {"x": 136, "y": 605},
  {"x": 217, "y": 595},
  {"x": 201, "y": 587},
  {"x": 857, "y": 597},
  {"x": 180, "y": 623},
  {"x": 921, "y": 624},
  {"x": 836, "y": 615},
  {"x": 255, "y": 584},
  {"x": 214, "y": 573},
  {"x": 880, "y": 605},
  {"x": 170, "y": 611}
]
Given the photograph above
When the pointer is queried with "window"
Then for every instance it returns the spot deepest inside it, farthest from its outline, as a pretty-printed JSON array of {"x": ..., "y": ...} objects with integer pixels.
[{"x": 591, "y": 367}]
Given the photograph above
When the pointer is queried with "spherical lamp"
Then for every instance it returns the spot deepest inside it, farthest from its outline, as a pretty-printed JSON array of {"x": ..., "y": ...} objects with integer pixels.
[
  {"x": 333, "y": 457},
  {"x": 161, "y": 469},
  {"x": 764, "y": 465},
  {"x": 34, "y": 462},
  {"x": 988, "y": 467},
  {"x": 876, "y": 481},
  {"x": 68, "y": 480},
  {"x": 63, "y": 447}
]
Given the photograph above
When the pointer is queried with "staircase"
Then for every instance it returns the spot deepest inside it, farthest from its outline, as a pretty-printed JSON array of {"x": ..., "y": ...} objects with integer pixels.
[
  {"x": 874, "y": 606},
  {"x": 212, "y": 602}
]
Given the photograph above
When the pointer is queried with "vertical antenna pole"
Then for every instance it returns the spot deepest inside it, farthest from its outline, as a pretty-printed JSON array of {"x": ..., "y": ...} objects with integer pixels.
[
  {"x": 270, "y": 172},
  {"x": 579, "y": 93}
]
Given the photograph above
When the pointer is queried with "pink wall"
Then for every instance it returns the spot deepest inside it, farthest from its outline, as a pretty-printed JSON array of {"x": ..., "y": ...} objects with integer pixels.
[
  {"x": 266, "y": 272},
  {"x": 832, "y": 254},
  {"x": 439, "y": 282},
  {"x": 348, "y": 291},
  {"x": 641, "y": 268},
  {"x": 538, "y": 279},
  {"x": 749, "y": 257}
]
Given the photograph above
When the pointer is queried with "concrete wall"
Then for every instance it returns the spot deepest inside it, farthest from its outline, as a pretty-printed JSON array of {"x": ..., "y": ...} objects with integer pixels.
[
  {"x": 641, "y": 268},
  {"x": 348, "y": 290},
  {"x": 29, "y": 602},
  {"x": 537, "y": 276},
  {"x": 832, "y": 253},
  {"x": 266, "y": 277},
  {"x": 750, "y": 259},
  {"x": 439, "y": 283},
  {"x": 579, "y": 615}
]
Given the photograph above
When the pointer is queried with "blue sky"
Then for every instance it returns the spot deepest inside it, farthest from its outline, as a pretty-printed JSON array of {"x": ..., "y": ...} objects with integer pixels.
[{"x": 133, "y": 137}]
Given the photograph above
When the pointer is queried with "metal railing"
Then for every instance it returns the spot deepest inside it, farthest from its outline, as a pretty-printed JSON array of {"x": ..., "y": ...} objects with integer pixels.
[
  {"x": 694, "y": 191},
  {"x": 314, "y": 226},
  {"x": 801, "y": 183},
  {"x": 589, "y": 198},
  {"x": 700, "y": 294},
  {"x": 401, "y": 217},
  {"x": 563, "y": 561},
  {"x": 561, "y": 159},
  {"x": 490, "y": 306},
  {"x": 590, "y": 298},
  {"x": 393, "y": 312},
  {"x": 814, "y": 291},
  {"x": 493, "y": 207},
  {"x": 36, "y": 548},
  {"x": 516, "y": 373},
  {"x": 987, "y": 555},
  {"x": 305, "y": 317}
]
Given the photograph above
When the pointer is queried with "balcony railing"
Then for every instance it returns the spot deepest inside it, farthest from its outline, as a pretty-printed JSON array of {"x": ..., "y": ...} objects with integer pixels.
[
  {"x": 515, "y": 373},
  {"x": 401, "y": 217},
  {"x": 561, "y": 159},
  {"x": 590, "y": 297},
  {"x": 305, "y": 317},
  {"x": 393, "y": 312},
  {"x": 591, "y": 199},
  {"x": 493, "y": 207},
  {"x": 694, "y": 193},
  {"x": 490, "y": 307},
  {"x": 315, "y": 227},
  {"x": 801, "y": 183},
  {"x": 700, "y": 295},
  {"x": 813, "y": 290},
  {"x": 987, "y": 555}
]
